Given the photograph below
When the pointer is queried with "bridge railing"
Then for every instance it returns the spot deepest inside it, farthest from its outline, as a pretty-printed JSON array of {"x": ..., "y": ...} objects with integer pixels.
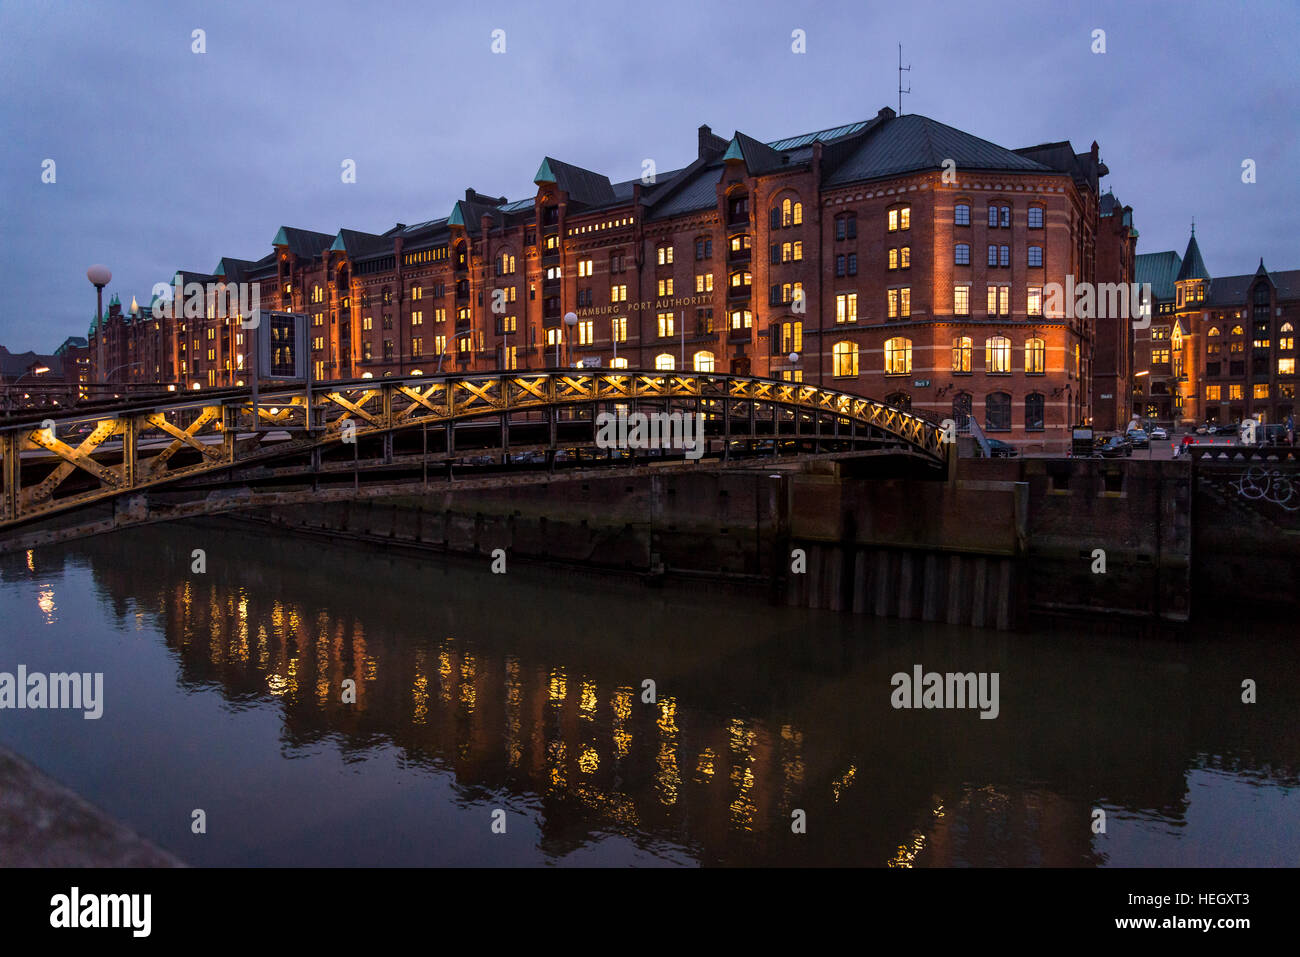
[{"x": 80, "y": 457}]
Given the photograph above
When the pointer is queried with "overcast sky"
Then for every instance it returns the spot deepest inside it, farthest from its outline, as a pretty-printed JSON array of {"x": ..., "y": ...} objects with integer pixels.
[{"x": 168, "y": 159}]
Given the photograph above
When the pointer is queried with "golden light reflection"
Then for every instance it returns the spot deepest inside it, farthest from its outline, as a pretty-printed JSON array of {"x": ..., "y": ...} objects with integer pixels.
[
  {"x": 621, "y": 704},
  {"x": 420, "y": 692},
  {"x": 45, "y": 602},
  {"x": 587, "y": 701},
  {"x": 842, "y": 783},
  {"x": 444, "y": 676},
  {"x": 276, "y": 684},
  {"x": 468, "y": 694},
  {"x": 589, "y": 760},
  {"x": 514, "y": 702},
  {"x": 704, "y": 767},
  {"x": 31, "y": 560},
  {"x": 559, "y": 686}
]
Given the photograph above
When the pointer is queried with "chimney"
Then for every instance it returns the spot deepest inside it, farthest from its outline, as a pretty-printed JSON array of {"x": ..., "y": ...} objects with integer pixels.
[{"x": 709, "y": 144}]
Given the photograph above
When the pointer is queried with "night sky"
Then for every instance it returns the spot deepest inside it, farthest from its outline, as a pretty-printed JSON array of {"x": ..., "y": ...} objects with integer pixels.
[{"x": 169, "y": 159}]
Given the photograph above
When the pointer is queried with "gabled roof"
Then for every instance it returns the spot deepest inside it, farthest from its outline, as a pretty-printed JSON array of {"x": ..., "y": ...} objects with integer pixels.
[
  {"x": 1193, "y": 265},
  {"x": 355, "y": 243},
  {"x": 758, "y": 157},
  {"x": 1159, "y": 269},
  {"x": 232, "y": 270},
  {"x": 582, "y": 185},
  {"x": 904, "y": 144},
  {"x": 1235, "y": 290},
  {"x": 303, "y": 243}
]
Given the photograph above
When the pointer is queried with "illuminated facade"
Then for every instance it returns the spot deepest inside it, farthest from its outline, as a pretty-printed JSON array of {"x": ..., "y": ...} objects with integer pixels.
[
  {"x": 1218, "y": 349},
  {"x": 895, "y": 257}
]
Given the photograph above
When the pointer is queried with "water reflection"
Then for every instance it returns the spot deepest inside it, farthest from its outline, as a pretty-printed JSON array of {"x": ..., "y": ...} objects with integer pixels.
[{"x": 532, "y": 686}]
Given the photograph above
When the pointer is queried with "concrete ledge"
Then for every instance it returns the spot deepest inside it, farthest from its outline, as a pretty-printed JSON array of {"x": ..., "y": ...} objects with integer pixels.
[{"x": 43, "y": 824}]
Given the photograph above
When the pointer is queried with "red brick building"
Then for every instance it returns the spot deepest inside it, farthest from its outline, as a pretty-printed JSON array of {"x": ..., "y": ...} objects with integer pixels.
[
  {"x": 1219, "y": 349},
  {"x": 894, "y": 257}
]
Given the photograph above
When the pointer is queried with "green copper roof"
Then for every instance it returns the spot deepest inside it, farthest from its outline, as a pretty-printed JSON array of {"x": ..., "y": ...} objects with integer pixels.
[
  {"x": 337, "y": 246},
  {"x": 734, "y": 151},
  {"x": 457, "y": 218},
  {"x": 221, "y": 269},
  {"x": 544, "y": 173},
  {"x": 281, "y": 238}
]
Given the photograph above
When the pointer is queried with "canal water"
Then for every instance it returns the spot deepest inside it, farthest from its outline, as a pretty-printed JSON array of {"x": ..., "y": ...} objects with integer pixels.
[{"x": 518, "y": 702}]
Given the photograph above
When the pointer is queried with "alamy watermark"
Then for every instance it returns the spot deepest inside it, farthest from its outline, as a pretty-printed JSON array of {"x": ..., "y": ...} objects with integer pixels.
[
  {"x": 652, "y": 430},
  {"x": 191, "y": 300},
  {"x": 949, "y": 690},
  {"x": 60, "y": 690},
  {"x": 1106, "y": 300}
]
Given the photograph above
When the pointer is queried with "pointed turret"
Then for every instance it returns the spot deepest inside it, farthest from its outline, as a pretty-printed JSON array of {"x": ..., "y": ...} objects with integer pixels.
[{"x": 1193, "y": 264}]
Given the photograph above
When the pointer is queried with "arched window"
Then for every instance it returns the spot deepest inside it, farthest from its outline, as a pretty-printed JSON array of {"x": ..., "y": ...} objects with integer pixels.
[
  {"x": 997, "y": 355},
  {"x": 1035, "y": 217},
  {"x": 898, "y": 356},
  {"x": 1034, "y": 412},
  {"x": 961, "y": 409},
  {"x": 846, "y": 359},
  {"x": 1238, "y": 331},
  {"x": 664, "y": 362},
  {"x": 703, "y": 361},
  {"x": 899, "y": 400},
  {"x": 506, "y": 264},
  {"x": 1286, "y": 336},
  {"x": 961, "y": 352},
  {"x": 1035, "y": 356},
  {"x": 1214, "y": 331},
  {"x": 961, "y": 214},
  {"x": 961, "y": 254},
  {"x": 997, "y": 412}
]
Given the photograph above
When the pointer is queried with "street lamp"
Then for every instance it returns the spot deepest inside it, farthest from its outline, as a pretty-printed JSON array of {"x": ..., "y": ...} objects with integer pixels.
[
  {"x": 570, "y": 320},
  {"x": 99, "y": 277}
]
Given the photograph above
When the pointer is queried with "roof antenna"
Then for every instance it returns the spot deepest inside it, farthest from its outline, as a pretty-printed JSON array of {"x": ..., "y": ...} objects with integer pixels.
[{"x": 901, "y": 69}]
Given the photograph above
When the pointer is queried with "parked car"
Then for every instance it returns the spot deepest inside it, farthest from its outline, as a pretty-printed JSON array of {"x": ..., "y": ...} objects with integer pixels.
[
  {"x": 1159, "y": 435},
  {"x": 1114, "y": 447},
  {"x": 1234, "y": 430},
  {"x": 1139, "y": 438},
  {"x": 998, "y": 449}
]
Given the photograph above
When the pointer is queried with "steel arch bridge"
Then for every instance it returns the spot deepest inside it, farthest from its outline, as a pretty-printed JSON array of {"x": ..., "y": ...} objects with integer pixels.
[{"x": 510, "y": 422}]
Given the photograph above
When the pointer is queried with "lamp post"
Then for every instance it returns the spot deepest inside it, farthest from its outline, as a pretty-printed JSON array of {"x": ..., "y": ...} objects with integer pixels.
[
  {"x": 99, "y": 277},
  {"x": 570, "y": 320}
]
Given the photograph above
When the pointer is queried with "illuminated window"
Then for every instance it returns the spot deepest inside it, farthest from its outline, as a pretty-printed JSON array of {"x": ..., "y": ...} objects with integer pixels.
[
  {"x": 1159, "y": 356},
  {"x": 997, "y": 355},
  {"x": 619, "y": 363},
  {"x": 1286, "y": 337},
  {"x": 1234, "y": 392},
  {"x": 665, "y": 287},
  {"x": 741, "y": 279},
  {"x": 664, "y": 362},
  {"x": 586, "y": 332},
  {"x": 791, "y": 338},
  {"x": 665, "y": 255},
  {"x": 439, "y": 345},
  {"x": 417, "y": 317},
  {"x": 417, "y": 346},
  {"x": 1261, "y": 390},
  {"x": 553, "y": 336},
  {"x": 618, "y": 328},
  {"x": 1034, "y": 301},
  {"x": 900, "y": 218},
  {"x": 961, "y": 354},
  {"x": 893, "y": 258},
  {"x": 1213, "y": 393},
  {"x": 961, "y": 300},
  {"x": 1238, "y": 331},
  {"x": 846, "y": 359},
  {"x": 510, "y": 357},
  {"x": 1004, "y": 300},
  {"x": 1035, "y": 356},
  {"x": 703, "y": 361},
  {"x": 585, "y": 268},
  {"x": 741, "y": 319},
  {"x": 905, "y": 302},
  {"x": 898, "y": 356},
  {"x": 417, "y": 292},
  {"x": 618, "y": 293},
  {"x": 846, "y": 307},
  {"x": 704, "y": 282},
  {"x": 905, "y": 257},
  {"x": 1286, "y": 366},
  {"x": 665, "y": 324}
]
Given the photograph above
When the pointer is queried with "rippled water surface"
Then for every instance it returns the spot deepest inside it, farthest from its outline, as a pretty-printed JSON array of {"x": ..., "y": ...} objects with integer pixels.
[{"x": 523, "y": 693}]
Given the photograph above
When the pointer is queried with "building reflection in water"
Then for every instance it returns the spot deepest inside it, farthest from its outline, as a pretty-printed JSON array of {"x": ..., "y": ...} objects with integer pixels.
[{"x": 520, "y": 688}]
